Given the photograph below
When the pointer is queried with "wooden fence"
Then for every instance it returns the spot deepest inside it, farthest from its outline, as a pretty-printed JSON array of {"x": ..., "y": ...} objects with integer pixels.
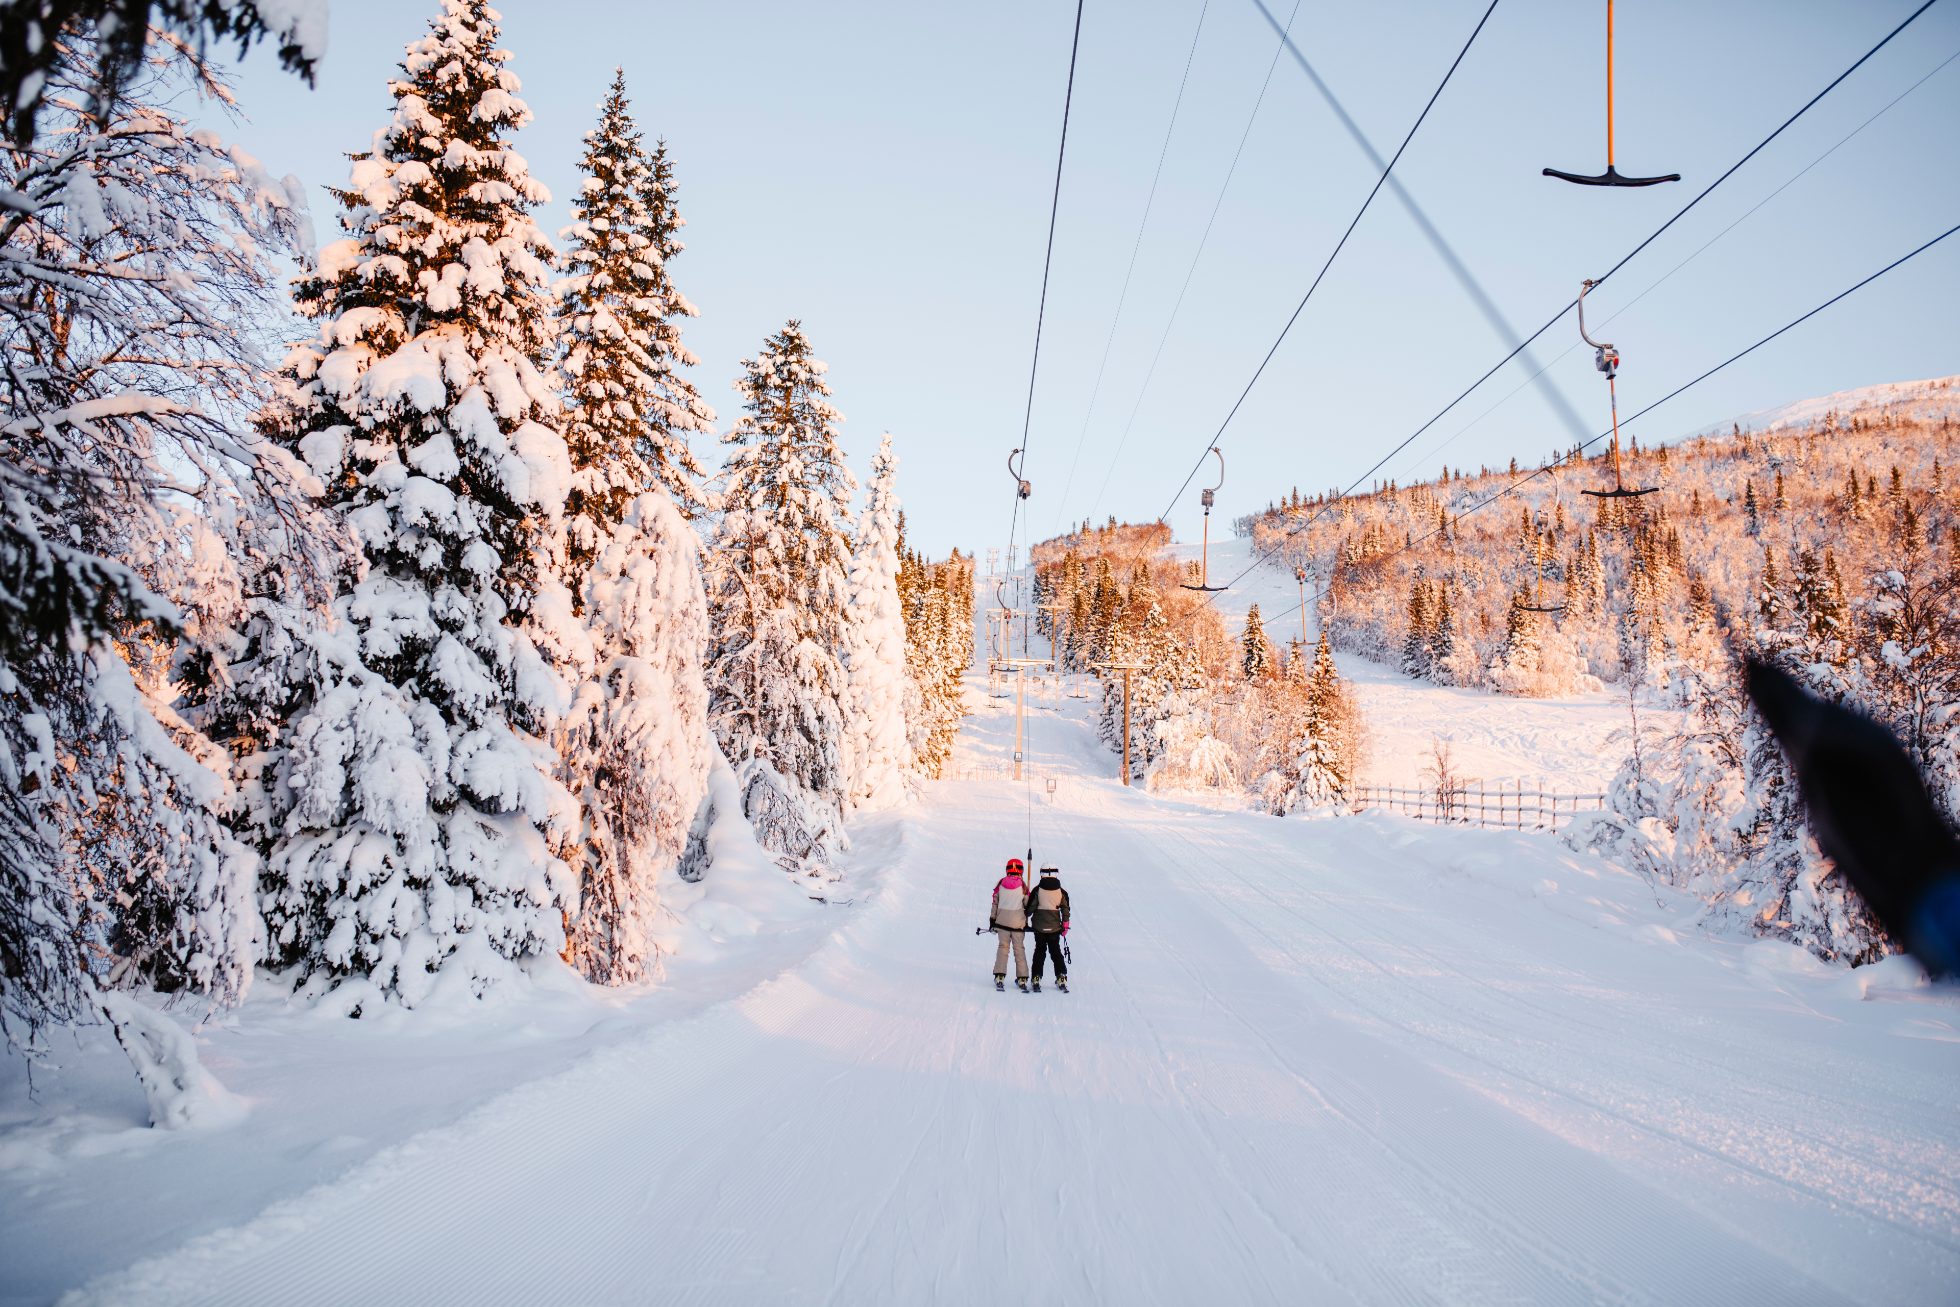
[
  {"x": 1491, "y": 805},
  {"x": 1500, "y": 805}
]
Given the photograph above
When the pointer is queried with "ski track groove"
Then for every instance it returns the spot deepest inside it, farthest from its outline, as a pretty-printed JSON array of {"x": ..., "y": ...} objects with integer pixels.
[
  {"x": 1471, "y": 1209},
  {"x": 1569, "y": 1094}
]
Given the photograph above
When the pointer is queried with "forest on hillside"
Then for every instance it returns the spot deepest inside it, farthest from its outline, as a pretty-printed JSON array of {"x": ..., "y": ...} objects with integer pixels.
[
  {"x": 1209, "y": 709},
  {"x": 1826, "y": 541}
]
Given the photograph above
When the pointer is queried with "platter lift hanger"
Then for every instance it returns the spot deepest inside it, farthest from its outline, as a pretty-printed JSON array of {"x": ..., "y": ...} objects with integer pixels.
[
  {"x": 1607, "y": 360},
  {"x": 1538, "y": 604},
  {"x": 1207, "y": 497},
  {"x": 1610, "y": 177}
]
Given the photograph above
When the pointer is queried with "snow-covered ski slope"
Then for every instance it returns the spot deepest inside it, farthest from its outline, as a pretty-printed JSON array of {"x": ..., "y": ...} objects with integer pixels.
[{"x": 1337, "y": 1061}]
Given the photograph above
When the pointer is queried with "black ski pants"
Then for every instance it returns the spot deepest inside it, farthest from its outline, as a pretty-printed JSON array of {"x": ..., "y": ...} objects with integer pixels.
[{"x": 1047, "y": 945}]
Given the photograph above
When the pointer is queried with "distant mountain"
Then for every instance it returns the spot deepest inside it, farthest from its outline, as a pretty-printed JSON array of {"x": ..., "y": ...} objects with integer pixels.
[{"x": 1931, "y": 399}]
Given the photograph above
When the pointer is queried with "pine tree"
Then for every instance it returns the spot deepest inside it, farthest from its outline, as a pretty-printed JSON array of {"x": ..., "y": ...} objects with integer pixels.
[
  {"x": 778, "y": 595},
  {"x": 1416, "y": 642},
  {"x": 1255, "y": 650},
  {"x": 629, "y": 409},
  {"x": 424, "y": 804},
  {"x": 1324, "y": 759},
  {"x": 1752, "y": 515},
  {"x": 1769, "y": 595},
  {"x": 880, "y": 754},
  {"x": 636, "y": 748},
  {"x": 1446, "y": 657},
  {"x": 1105, "y": 606}
]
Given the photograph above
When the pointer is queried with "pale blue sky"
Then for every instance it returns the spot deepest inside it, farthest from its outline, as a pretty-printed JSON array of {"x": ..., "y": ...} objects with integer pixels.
[{"x": 882, "y": 171}]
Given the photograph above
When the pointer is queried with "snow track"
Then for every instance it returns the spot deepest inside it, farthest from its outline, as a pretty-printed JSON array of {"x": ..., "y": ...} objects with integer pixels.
[{"x": 1336, "y": 1061}]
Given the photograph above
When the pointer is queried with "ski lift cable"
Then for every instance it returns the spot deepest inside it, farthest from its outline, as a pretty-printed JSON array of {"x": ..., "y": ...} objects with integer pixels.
[
  {"x": 1654, "y": 285},
  {"x": 1022, "y": 489},
  {"x": 1597, "y": 281},
  {"x": 1190, "y": 271},
  {"x": 1546, "y": 468},
  {"x": 1048, "y": 256},
  {"x": 1373, "y": 191},
  {"x": 1136, "y": 245}
]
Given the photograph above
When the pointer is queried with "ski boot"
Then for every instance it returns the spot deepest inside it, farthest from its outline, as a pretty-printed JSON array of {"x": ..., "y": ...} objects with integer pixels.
[
  {"x": 1037, "y": 986},
  {"x": 1061, "y": 983},
  {"x": 1000, "y": 984},
  {"x": 1023, "y": 984}
]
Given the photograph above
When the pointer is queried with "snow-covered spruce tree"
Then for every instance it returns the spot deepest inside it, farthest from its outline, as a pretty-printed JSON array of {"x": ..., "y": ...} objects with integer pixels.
[
  {"x": 134, "y": 282},
  {"x": 423, "y": 793},
  {"x": 622, "y": 353},
  {"x": 635, "y": 745},
  {"x": 880, "y": 755},
  {"x": 777, "y": 575},
  {"x": 1516, "y": 667},
  {"x": 1418, "y": 643},
  {"x": 1323, "y": 739},
  {"x": 1255, "y": 650}
]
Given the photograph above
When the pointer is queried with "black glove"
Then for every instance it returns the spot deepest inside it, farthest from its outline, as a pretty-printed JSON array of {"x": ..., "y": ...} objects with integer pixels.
[{"x": 1872, "y": 816}]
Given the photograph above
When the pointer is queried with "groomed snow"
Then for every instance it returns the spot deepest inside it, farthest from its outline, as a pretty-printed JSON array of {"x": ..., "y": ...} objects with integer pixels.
[{"x": 1350, "y": 1060}]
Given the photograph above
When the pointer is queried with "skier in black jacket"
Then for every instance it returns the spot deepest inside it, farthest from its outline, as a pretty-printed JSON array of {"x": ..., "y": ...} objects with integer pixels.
[{"x": 1048, "y": 918}]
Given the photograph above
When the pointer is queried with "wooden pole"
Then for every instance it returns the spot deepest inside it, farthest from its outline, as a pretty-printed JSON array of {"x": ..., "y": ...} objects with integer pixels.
[{"x": 1126, "y": 726}]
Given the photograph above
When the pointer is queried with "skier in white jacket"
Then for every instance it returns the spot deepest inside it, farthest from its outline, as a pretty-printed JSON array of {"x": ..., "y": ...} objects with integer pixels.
[{"x": 1007, "y": 917}]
